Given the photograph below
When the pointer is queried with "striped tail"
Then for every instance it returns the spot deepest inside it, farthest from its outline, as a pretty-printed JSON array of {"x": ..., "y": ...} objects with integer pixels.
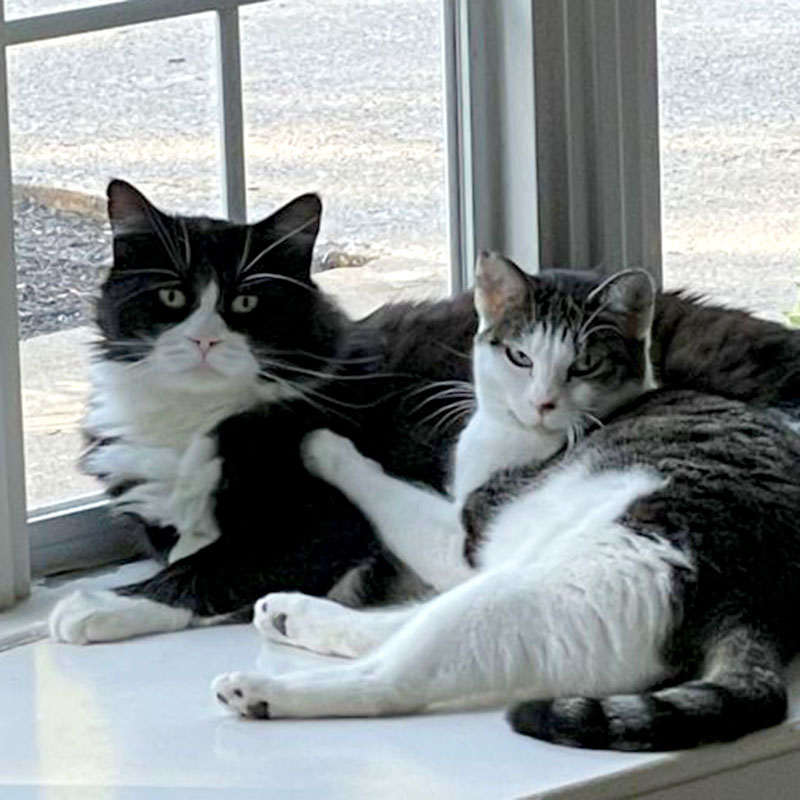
[{"x": 741, "y": 690}]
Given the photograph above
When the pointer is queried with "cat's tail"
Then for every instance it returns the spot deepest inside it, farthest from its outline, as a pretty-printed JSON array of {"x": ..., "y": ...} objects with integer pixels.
[{"x": 740, "y": 690}]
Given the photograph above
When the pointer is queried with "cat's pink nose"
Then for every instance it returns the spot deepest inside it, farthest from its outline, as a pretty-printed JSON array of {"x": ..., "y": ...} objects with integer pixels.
[
  {"x": 204, "y": 343},
  {"x": 544, "y": 408}
]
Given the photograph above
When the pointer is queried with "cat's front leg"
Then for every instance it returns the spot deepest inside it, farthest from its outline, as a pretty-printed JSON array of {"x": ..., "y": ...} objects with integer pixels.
[
  {"x": 191, "y": 501},
  {"x": 324, "y": 626},
  {"x": 594, "y": 625},
  {"x": 422, "y": 528},
  {"x": 455, "y": 646}
]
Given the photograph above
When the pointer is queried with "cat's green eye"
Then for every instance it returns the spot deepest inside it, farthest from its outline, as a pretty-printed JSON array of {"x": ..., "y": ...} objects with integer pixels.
[
  {"x": 244, "y": 303},
  {"x": 518, "y": 358},
  {"x": 172, "y": 298}
]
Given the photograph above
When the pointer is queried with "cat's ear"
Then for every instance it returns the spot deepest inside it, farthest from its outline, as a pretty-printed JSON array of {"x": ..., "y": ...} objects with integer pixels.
[
  {"x": 499, "y": 286},
  {"x": 129, "y": 211},
  {"x": 632, "y": 294},
  {"x": 291, "y": 232}
]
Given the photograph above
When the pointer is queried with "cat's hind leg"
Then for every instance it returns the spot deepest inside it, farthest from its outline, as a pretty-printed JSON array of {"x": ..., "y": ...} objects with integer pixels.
[
  {"x": 325, "y": 626},
  {"x": 420, "y": 527},
  {"x": 591, "y": 623},
  {"x": 471, "y": 641}
]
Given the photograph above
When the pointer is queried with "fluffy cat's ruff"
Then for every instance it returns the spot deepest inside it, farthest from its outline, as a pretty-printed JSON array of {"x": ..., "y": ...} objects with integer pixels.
[{"x": 636, "y": 557}]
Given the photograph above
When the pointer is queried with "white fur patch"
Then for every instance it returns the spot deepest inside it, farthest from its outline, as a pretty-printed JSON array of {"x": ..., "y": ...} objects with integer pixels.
[
  {"x": 324, "y": 626},
  {"x": 570, "y": 507},
  {"x": 490, "y": 443},
  {"x": 104, "y": 616}
]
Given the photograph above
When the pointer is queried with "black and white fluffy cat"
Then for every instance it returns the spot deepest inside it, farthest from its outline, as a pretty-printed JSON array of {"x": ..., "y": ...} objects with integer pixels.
[
  {"x": 637, "y": 589},
  {"x": 217, "y": 353}
]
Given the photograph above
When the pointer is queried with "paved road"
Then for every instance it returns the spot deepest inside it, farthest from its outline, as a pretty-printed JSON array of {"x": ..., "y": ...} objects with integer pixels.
[
  {"x": 345, "y": 96},
  {"x": 342, "y": 96}
]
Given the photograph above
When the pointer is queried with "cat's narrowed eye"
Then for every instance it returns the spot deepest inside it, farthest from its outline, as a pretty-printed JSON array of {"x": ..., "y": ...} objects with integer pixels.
[
  {"x": 172, "y": 298},
  {"x": 518, "y": 358},
  {"x": 585, "y": 366},
  {"x": 244, "y": 303}
]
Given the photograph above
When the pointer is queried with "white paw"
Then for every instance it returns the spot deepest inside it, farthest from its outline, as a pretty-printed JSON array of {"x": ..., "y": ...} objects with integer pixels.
[
  {"x": 243, "y": 694},
  {"x": 122, "y": 461},
  {"x": 301, "y": 620},
  {"x": 325, "y": 454},
  {"x": 149, "y": 500},
  {"x": 104, "y": 616}
]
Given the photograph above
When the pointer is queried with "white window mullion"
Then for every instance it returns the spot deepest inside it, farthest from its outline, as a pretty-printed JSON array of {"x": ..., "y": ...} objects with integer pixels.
[
  {"x": 552, "y": 123},
  {"x": 492, "y": 179},
  {"x": 597, "y": 134},
  {"x": 14, "y": 549},
  {"x": 229, "y": 86}
]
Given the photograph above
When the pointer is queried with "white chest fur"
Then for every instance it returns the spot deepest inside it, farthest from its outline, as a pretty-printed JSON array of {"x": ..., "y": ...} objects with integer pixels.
[
  {"x": 161, "y": 443},
  {"x": 486, "y": 446},
  {"x": 137, "y": 404},
  {"x": 570, "y": 510}
]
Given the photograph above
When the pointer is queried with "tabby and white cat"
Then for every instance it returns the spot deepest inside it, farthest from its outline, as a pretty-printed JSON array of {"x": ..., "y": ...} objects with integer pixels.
[{"x": 637, "y": 590}]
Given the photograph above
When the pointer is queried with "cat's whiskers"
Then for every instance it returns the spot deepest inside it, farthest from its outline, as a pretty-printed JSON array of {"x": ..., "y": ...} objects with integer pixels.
[
  {"x": 453, "y": 413},
  {"x": 327, "y": 359},
  {"x": 273, "y": 276},
  {"x": 129, "y": 273},
  {"x": 279, "y": 241},
  {"x": 302, "y": 393},
  {"x": 152, "y": 287},
  {"x": 356, "y": 406},
  {"x": 248, "y": 238},
  {"x": 313, "y": 390},
  {"x": 453, "y": 350},
  {"x": 166, "y": 239},
  {"x": 592, "y": 418},
  {"x": 597, "y": 329},
  {"x": 450, "y": 411},
  {"x": 427, "y": 385},
  {"x": 331, "y": 376},
  {"x": 599, "y": 310},
  {"x": 457, "y": 392},
  {"x": 186, "y": 243}
]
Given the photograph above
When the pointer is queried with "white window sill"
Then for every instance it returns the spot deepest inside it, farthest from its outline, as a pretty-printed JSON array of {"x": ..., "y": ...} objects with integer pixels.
[{"x": 136, "y": 719}]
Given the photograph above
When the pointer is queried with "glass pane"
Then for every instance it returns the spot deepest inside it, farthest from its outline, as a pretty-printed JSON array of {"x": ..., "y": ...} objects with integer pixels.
[
  {"x": 137, "y": 103},
  {"x": 15, "y": 9},
  {"x": 345, "y": 97},
  {"x": 731, "y": 162}
]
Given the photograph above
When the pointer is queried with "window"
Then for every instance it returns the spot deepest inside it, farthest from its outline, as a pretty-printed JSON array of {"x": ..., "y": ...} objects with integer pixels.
[
  {"x": 731, "y": 164},
  {"x": 146, "y": 90},
  {"x": 551, "y": 151}
]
